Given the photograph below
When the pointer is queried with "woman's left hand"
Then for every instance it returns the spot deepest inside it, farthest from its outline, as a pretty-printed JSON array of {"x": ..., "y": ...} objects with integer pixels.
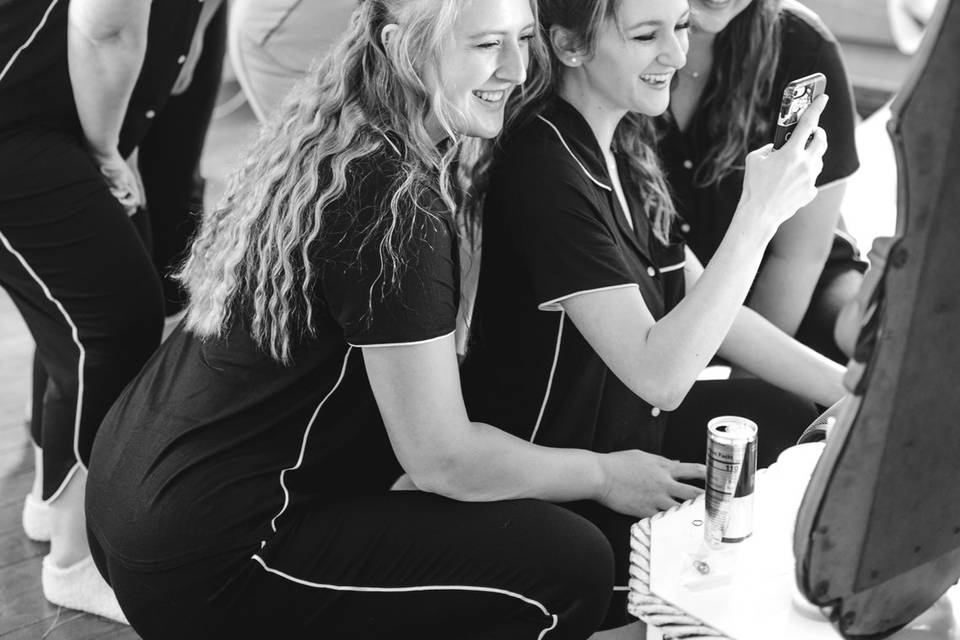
[{"x": 122, "y": 178}]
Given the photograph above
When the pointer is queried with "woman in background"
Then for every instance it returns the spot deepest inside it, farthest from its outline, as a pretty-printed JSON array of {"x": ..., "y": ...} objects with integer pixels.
[{"x": 723, "y": 103}]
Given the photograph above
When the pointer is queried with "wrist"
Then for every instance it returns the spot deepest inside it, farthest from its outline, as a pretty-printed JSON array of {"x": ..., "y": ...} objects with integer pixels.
[
  {"x": 752, "y": 225},
  {"x": 600, "y": 478}
]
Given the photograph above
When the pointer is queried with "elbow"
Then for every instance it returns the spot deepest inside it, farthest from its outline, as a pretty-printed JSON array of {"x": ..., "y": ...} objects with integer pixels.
[
  {"x": 663, "y": 394},
  {"x": 438, "y": 475}
]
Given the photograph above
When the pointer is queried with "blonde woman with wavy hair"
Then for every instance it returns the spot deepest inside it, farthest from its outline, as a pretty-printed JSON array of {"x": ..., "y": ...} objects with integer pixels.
[{"x": 242, "y": 484}]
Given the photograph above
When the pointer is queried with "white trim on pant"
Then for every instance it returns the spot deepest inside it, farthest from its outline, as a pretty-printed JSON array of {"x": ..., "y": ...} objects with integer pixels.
[
  {"x": 553, "y": 370},
  {"x": 303, "y": 443},
  {"x": 29, "y": 41},
  {"x": 75, "y": 334},
  {"x": 333, "y": 587}
]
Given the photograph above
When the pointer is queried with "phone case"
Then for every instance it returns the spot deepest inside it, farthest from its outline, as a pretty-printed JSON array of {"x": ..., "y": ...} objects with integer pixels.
[{"x": 797, "y": 96}]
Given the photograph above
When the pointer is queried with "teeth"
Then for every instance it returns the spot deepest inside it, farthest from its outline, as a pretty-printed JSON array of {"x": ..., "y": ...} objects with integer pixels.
[
  {"x": 490, "y": 96},
  {"x": 655, "y": 77}
]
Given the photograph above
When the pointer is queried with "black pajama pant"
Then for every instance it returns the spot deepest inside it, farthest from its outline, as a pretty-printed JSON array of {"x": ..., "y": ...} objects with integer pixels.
[
  {"x": 395, "y": 565},
  {"x": 80, "y": 275}
]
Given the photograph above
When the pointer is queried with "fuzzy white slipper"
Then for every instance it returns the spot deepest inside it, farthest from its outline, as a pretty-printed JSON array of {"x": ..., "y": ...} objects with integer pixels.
[
  {"x": 80, "y": 587},
  {"x": 36, "y": 519}
]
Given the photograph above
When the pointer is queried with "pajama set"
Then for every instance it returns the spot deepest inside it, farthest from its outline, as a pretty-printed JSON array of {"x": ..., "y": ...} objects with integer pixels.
[
  {"x": 553, "y": 229},
  {"x": 807, "y": 47},
  {"x": 232, "y": 496}
]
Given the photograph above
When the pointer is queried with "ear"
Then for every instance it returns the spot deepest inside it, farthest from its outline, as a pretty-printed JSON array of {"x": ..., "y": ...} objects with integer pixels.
[
  {"x": 387, "y": 34},
  {"x": 566, "y": 47}
]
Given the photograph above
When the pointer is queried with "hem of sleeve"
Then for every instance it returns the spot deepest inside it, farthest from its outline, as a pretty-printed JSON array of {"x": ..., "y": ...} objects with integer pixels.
[
  {"x": 401, "y": 344},
  {"x": 554, "y": 305},
  {"x": 836, "y": 181}
]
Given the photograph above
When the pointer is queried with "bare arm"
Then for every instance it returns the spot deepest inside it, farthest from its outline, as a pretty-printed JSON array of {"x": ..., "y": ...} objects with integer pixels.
[
  {"x": 106, "y": 44},
  {"x": 107, "y": 41},
  {"x": 417, "y": 389},
  {"x": 799, "y": 250}
]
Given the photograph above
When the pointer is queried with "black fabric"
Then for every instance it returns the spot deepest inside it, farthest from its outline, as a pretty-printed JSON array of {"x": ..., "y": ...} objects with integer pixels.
[
  {"x": 190, "y": 458},
  {"x": 434, "y": 568},
  {"x": 169, "y": 161},
  {"x": 70, "y": 254},
  {"x": 35, "y": 85},
  {"x": 553, "y": 228},
  {"x": 171, "y": 28},
  {"x": 780, "y": 416},
  {"x": 807, "y": 47}
]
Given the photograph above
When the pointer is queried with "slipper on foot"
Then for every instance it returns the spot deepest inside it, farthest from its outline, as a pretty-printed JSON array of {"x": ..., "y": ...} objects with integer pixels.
[
  {"x": 36, "y": 519},
  {"x": 80, "y": 587}
]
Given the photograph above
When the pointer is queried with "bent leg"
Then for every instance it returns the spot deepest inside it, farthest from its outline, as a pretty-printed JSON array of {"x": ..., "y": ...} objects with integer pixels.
[{"x": 403, "y": 564}]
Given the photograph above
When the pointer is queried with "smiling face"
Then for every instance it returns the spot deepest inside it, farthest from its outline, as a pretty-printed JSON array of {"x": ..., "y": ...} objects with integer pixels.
[
  {"x": 635, "y": 56},
  {"x": 483, "y": 61},
  {"x": 713, "y": 16}
]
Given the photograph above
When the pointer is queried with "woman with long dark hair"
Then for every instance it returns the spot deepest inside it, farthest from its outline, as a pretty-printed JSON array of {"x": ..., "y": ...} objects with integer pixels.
[
  {"x": 593, "y": 321},
  {"x": 240, "y": 486},
  {"x": 724, "y": 103}
]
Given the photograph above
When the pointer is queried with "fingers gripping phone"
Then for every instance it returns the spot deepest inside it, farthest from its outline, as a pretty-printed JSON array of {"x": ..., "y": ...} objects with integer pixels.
[{"x": 797, "y": 96}]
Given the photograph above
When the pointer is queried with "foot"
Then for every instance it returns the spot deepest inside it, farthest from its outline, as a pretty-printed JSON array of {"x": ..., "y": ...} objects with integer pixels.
[
  {"x": 81, "y": 587},
  {"x": 36, "y": 519}
]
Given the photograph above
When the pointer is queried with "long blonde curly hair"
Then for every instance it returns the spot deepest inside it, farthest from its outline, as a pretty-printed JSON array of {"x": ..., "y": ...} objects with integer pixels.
[{"x": 251, "y": 259}]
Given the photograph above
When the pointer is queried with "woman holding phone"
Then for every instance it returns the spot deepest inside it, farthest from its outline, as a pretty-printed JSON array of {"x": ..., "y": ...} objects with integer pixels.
[
  {"x": 593, "y": 320},
  {"x": 240, "y": 486},
  {"x": 724, "y": 102}
]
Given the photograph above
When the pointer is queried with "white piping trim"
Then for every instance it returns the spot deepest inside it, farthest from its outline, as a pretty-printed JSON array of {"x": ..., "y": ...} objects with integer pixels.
[
  {"x": 63, "y": 485},
  {"x": 334, "y": 587},
  {"x": 574, "y": 156},
  {"x": 402, "y": 344},
  {"x": 303, "y": 443},
  {"x": 75, "y": 334},
  {"x": 553, "y": 370},
  {"x": 554, "y": 305},
  {"x": 29, "y": 41},
  {"x": 621, "y": 588},
  {"x": 673, "y": 267}
]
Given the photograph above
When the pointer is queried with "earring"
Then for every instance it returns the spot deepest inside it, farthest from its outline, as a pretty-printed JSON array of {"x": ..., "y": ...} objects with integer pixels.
[{"x": 573, "y": 61}]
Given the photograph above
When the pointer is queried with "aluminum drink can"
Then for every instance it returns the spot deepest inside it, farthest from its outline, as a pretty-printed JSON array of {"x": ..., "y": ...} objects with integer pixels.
[{"x": 731, "y": 472}]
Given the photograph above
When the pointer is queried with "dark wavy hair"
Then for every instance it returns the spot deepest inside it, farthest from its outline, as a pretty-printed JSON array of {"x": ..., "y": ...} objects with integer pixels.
[
  {"x": 635, "y": 136},
  {"x": 739, "y": 91}
]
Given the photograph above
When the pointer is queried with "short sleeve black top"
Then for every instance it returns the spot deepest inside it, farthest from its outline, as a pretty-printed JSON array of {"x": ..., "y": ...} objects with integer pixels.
[
  {"x": 807, "y": 47},
  {"x": 553, "y": 228},
  {"x": 214, "y": 441},
  {"x": 35, "y": 86}
]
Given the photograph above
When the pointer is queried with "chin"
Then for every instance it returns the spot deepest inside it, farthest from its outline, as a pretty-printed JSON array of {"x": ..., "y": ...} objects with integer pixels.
[{"x": 485, "y": 130}]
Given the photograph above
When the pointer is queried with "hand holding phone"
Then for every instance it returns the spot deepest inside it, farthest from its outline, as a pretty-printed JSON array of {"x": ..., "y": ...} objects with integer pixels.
[{"x": 797, "y": 96}]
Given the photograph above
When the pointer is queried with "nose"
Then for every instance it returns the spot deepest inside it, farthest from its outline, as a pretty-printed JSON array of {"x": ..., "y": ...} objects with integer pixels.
[
  {"x": 675, "y": 50},
  {"x": 513, "y": 63}
]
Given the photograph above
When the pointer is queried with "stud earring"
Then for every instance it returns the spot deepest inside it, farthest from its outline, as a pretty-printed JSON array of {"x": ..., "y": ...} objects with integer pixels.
[{"x": 573, "y": 61}]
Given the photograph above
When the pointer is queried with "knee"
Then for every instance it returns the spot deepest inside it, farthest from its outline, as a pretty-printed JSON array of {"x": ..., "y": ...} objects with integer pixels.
[{"x": 578, "y": 568}]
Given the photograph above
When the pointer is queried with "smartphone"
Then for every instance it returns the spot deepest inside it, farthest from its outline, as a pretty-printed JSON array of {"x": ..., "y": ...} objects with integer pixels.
[{"x": 797, "y": 96}]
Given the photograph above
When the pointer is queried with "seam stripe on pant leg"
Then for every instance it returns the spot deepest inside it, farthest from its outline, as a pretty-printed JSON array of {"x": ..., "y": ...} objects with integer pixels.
[
  {"x": 318, "y": 585},
  {"x": 75, "y": 334},
  {"x": 23, "y": 47}
]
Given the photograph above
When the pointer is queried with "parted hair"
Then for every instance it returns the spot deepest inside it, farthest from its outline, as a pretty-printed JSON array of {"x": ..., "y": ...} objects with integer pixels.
[
  {"x": 736, "y": 103},
  {"x": 251, "y": 259},
  {"x": 635, "y": 136}
]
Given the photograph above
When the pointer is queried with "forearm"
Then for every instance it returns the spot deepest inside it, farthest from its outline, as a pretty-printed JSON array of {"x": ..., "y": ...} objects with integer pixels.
[
  {"x": 106, "y": 43},
  {"x": 783, "y": 290},
  {"x": 490, "y": 464},
  {"x": 682, "y": 343},
  {"x": 756, "y": 345}
]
